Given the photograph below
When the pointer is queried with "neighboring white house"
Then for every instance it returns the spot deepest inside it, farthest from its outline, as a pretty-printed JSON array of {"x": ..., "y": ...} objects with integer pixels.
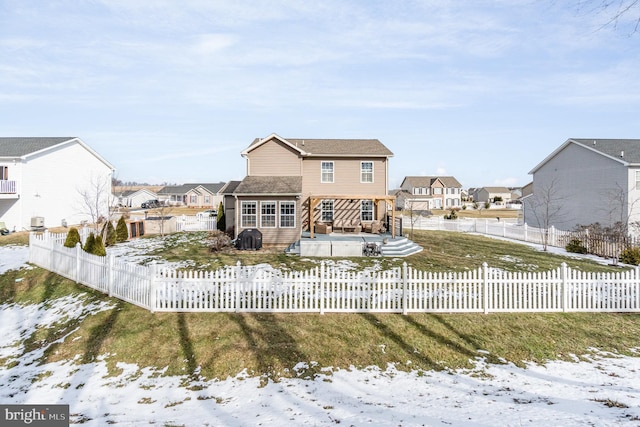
[
  {"x": 134, "y": 198},
  {"x": 586, "y": 181},
  {"x": 43, "y": 181},
  {"x": 430, "y": 192}
]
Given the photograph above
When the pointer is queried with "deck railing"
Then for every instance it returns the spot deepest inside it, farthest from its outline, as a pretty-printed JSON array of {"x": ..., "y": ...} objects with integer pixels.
[{"x": 7, "y": 187}]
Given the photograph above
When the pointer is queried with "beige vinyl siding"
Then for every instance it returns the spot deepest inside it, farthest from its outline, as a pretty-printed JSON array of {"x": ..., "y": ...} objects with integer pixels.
[
  {"x": 272, "y": 235},
  {"x": 346, "y": 177},
  {"x": 273, "y": 158}
]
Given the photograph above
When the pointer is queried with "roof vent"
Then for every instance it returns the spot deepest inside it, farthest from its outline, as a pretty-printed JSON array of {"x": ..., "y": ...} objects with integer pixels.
[
  {"x": 622, "y": 154},
  {"x": 594, "y": 142}
]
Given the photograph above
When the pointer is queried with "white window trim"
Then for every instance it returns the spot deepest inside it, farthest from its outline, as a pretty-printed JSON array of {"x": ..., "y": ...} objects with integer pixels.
[
  {"x": 362, "y": 210},
  {"x": 293, "y": 215},
  {"x": 243, "y": 215},
  {"x": 362, "y": 172},
  {"x": 333, "y": 172},
  {"x": 275, "y": 213},
  {"x": 322, "y": 210}
]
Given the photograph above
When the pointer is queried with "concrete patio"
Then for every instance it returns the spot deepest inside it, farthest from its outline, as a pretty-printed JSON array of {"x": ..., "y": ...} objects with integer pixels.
[{"x": 346, "y": 244}]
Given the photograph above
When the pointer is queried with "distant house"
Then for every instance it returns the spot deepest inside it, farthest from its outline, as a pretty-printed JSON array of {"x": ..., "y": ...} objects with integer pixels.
[
  {"x": 431, "y": 192},
  {"x": 45, "y": 181},
  {"x": 194, "y": 195},
  {"x": 134, "y": 198},
  {"x": 490, "y": 194},
  {"x": 586, "y": 181},
  {"x": 293, "y": 184}
]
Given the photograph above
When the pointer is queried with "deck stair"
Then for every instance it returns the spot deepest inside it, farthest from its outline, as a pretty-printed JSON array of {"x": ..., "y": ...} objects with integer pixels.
[{"x": 400, "y": 247}]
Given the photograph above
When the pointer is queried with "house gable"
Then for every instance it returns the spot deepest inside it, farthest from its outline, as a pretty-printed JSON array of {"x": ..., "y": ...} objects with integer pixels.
[{"x": 273, "y": 157}]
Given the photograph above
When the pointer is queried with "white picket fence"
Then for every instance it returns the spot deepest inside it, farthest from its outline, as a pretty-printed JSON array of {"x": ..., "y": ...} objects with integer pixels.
[
  {"x": 327, "y": 289},
  {"x": 508, "y": 228}
]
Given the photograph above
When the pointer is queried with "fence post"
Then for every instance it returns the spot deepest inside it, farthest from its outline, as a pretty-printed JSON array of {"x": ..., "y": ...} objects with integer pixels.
[
  {"x": 322, "y": 287},
  {"x": 78, "y": 261},
  {"x": 404, "y": 288},
  {"x": 485, "y": 286},
  {"x": 110, "y": 274},
  {"x": 565, "y": 288},
  {"x": 552, "y": 236},
  {"x": 238, "y": 284},
  {"x": 152, "y": 287}
]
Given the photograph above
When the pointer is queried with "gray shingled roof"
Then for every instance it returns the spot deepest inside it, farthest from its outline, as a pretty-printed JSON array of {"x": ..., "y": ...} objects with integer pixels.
[
  {"x": 268, "y": 185},
  {"x": 613, "y": 147},
  {"x": 184, "y": 188},
  {"x": 21, "y": 146},
  {"x": 338, "y": 147},
  {"x": 427, "y": 181}
]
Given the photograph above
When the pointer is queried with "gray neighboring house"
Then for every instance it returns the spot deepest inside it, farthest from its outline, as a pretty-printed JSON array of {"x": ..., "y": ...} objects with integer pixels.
[
  {"x": 431, "y": 192},
  {"x": 194, "y": 195},
  {"x": 488, "y": 194},
  {"x": 586, "y": 181}
]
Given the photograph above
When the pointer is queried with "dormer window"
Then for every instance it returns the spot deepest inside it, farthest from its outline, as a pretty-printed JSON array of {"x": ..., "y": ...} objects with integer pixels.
[{"x": 326, "y": 172}]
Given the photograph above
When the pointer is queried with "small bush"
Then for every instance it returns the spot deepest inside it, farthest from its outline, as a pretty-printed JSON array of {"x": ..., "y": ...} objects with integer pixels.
[
  {"x": 88, "y": 245},
  {"x": 217, "y": 240},
  {"x": 110, "y": 234},
  {"x": 122, "y": 232},
  {"x": 630, "y": 256},
  {"x": 73, "y": 238},
  {"x": 220, "y": 220},
  {"x": 576, "y": 246},
  {"x": 98, "y": 247},
  {"x": 452, "y": 215}
]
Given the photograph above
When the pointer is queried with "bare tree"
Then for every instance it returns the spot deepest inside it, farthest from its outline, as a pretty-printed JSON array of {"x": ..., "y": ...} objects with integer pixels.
[
  {"x": 617, "y": 13},
  {"x": 96, "y": 199},
  {"x": 547, "y": 207}
]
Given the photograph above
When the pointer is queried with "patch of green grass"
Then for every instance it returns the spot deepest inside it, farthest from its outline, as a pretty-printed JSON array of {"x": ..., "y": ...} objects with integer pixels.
[{"x": 218, "y": 345}]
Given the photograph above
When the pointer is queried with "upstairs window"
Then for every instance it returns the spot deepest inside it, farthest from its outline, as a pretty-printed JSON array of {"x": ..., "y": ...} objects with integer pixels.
[
  {"x": 326, "y": 172},
  {"x": 366, "y": 171},
  {"x": 4, "y": 173}
]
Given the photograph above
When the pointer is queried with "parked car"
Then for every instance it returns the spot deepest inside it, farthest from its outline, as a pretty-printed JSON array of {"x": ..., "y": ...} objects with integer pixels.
[
  {"x": 149, "y": 204},
  {"x": 209, "y": 213}
]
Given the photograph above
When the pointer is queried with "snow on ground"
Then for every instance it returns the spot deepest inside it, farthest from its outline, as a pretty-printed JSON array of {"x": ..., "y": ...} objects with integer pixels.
[{"x": 595, "y": 390}]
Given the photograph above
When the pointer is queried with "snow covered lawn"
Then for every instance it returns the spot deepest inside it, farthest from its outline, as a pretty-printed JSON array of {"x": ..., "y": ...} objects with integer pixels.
[{"x": 598, "y": 389}]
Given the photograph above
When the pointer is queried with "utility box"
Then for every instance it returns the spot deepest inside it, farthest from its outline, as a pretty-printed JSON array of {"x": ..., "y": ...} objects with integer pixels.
[{"x": 37, "y": 222}]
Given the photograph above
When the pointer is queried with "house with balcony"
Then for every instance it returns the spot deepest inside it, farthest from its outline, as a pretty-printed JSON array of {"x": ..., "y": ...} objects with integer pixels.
[
  {"x": 44, "y": 181},
  {"x": 312, "y": 186},
  {"x": 423, "y": 193}
]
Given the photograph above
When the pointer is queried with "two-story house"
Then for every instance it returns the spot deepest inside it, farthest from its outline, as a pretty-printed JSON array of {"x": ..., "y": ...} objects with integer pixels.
[
  {"x": 291, "y": 184},
  {"x": 46, "y": 182},
  {"x": 423, "y": 193},
  {"x": 585, "y": 181}
]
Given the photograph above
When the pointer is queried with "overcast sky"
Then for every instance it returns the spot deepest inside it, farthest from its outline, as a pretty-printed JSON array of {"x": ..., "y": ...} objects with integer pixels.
[{"x": 173, "y": 91}]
